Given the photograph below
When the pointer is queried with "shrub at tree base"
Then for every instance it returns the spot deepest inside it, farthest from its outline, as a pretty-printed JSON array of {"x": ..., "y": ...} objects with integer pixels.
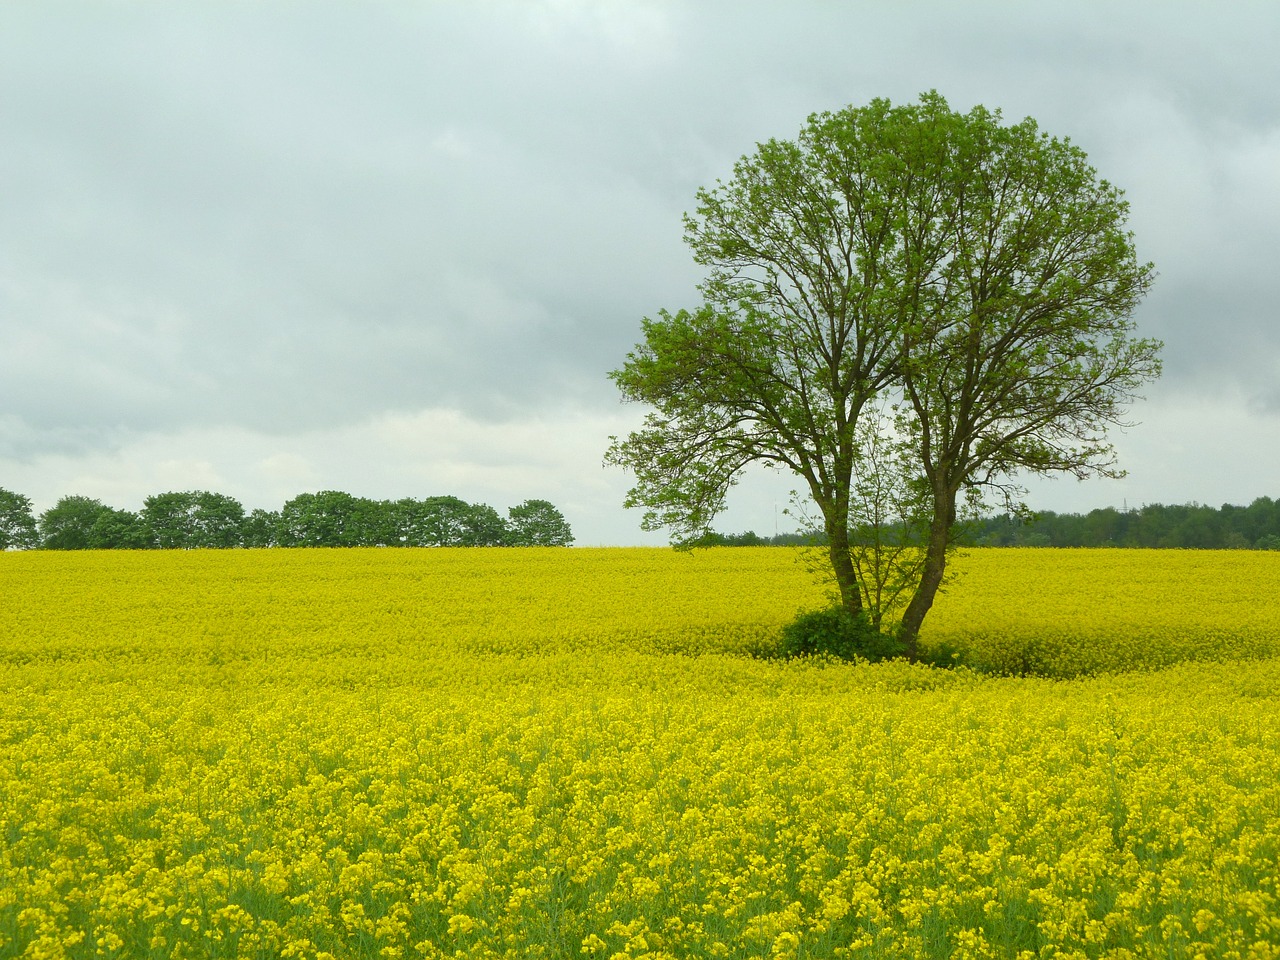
[{"x": 835, "y": 632}]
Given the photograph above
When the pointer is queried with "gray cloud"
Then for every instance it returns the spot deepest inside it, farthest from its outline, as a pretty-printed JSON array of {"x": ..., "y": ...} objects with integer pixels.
[
  {"x": 291, "y": 218},
  {"x": 290, "y": 222}
]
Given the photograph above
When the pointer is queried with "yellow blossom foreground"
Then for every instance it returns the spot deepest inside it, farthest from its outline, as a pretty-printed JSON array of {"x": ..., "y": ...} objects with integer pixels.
[{"x": 568, "y": 753}]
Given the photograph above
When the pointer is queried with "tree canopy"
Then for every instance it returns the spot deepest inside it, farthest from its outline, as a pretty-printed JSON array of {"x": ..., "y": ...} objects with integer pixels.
[{"x": 963, "y": 286}]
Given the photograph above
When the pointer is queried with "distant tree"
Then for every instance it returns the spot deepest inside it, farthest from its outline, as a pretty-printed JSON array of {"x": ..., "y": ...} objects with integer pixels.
[
  {"x": 1261, "y": 518},
  {"x": 713, "y": 538},
  {"x": 17, "y": 523},
  {"x": 301, "y": 524},
  {"x": 1200, "y": 528},
  {"x": 537, "y": 523},
  {"x": 371, "y": 524},
  {"x": 1235, "y": 540},
  {"x": 443, "y": 522},
  {"x": 114, "y": 529},
  {"x": 407, "y": 522},
  {"x": 485, "y": 527},
  {"x": 1102, "y": 527},
  {"x": 1231, "y": 527},
  {"x": 1064, "y": 530},
  {"x": 798, "y": 538},
  {"x": 1148, "y": 527},
  {"x": 259, "y": 528},
  {"x": 67, "y": 524},
  {"x": 219, "y": 520},
  {"x": 171, "y": 516},
  {"x": 194, "y": 519},
  {"x": 1175, "y": 524},
  {"x": 332, "y": 518}
]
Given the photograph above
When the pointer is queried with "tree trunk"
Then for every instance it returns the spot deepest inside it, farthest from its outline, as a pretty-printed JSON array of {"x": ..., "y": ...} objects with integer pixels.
[
  {"x": 842, "y": 564},
  {"x": 935, "y": 568}
]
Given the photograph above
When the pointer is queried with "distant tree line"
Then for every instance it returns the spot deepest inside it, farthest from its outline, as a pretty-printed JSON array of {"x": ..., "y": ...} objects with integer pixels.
[
  {"x": 198, "y": 519},
  {"x": 1185, "y": 526}
]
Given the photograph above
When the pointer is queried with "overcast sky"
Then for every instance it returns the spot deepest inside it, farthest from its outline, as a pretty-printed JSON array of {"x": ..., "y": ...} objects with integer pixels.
[{"x": 394, "y": 248}]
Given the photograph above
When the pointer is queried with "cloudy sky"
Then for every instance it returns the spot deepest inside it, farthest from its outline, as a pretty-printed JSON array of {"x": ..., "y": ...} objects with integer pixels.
[{"x": 393, "y": 248}]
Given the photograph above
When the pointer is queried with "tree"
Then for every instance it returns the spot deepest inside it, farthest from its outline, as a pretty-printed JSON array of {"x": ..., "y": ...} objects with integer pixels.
[
  {"x": 17, "y": 523},
  {"x": 67, "y": 525},
  {"x": 219, "y": 520},
  {"x": 449, "y": 522},
  {"x": 485, "y": 527},
  {"x": 332, "y": 518},
  {"x": 114, "y": 529},
  {"x": 1023, "y": 353},
  {"x": 1262, "y": 518},
  {"x": 407, "y": 522},
  {"x": 259, "y": 528},
  {"x": 433, "y": 522},
  {"x": 194, "y": 519},
  {"x": 978, "y": 275},
  {"x": 537, "y": 523}
]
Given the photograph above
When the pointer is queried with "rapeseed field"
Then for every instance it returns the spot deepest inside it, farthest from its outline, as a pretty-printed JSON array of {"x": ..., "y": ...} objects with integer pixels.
[{"x": 574, "y": 753}]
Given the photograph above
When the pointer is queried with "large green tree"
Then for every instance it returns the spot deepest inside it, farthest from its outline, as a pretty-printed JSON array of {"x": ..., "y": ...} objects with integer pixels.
[{"x": 977, "y": 275}]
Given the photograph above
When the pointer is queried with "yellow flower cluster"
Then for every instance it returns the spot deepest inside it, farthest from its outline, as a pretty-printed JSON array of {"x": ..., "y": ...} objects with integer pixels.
[
  {"x": 1069, "y": 612},
  {"x": 564, "y": 753},
  {"x": 317, "y": 603}
]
